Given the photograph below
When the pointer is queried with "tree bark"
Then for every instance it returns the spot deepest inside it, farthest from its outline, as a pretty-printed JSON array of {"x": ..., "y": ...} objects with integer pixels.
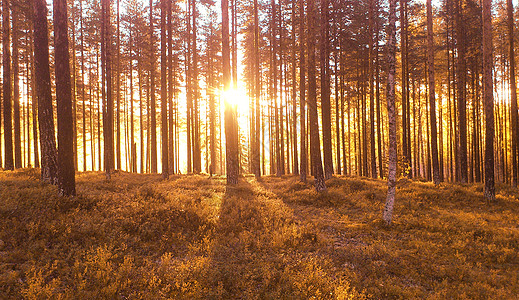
[
  {"x": 462, "y": 101},
  {"x": 302, "y": 92},
  {"x": 153, "y": 111},
  {"x": 488, "y": 95},
  {"x": 315, "y": 144},
  {"x": 513, "y": 91},
  {"x": 231, "y": 136},
  {"x": 257, "y": 91},
  {"x": 66, "y": 172},
  {"x": 391, "y": 60},
  {"x": 432, "y": 95},
  {"x": 164, "y": 91},
  {"x": 7, "y": 84},
  {"x": 108, "y": 126},
  {"x": 49, "y": 167},
  {"x": 325, "y": 91},
  {"x": 16, "y": 91}
]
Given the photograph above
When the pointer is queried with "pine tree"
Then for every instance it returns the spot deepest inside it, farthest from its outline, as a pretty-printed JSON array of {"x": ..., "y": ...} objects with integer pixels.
[
  {"x": 16, "y": 90},
  {"x": 391, "y": 60},
  {"x": 325, "y": 91},
  {"x": 488, "y": 98},
  {"x": 66, "y": 174},
  {"x": 7, "y": 84},
  {"x": 302, "y": 92},
  {"x": 106, "y": 61},
  {"x": 513, "y": 91},
  {"x": 315, "y": 145},
  {"x": 231, "y": 136},
  {"x": 164, "y": 91},
  {"x": 49, "y": 167},
  {"x": 432, "y": 96}
]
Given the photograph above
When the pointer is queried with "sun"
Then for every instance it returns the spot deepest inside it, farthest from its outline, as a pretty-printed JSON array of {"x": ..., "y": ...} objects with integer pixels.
[{"x": 238, "y": 98}]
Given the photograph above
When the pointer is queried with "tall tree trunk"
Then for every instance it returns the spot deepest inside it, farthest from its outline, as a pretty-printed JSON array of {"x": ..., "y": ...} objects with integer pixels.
[
  {"x": 83, "y": 97},
  {"x": 462, "y": 101},
  {"x": 377, "y": 90},
  {"x": 315, "y": 144},
  {"x": 49, "y": 168},
  {"x": 118, "y": 149},
  {"x": 66, "y": 172},
  {"x": 152, "y": 90},
  {"x": 513, "y": 91},
  {"x": 302, "y": 92},
  {"x": 488, "y": 93},
  {"x": 294, "y": 92},
  {"x": 212, "y": 107},
  {"x": 7, "y": 84},
  {"x": 432, "y": 95},
  {"x": 164, "y": 91},
  {"x": 16, "y": 92},
  {"x": 197, "y": 160},
  {"x": 325, "y": 91},
  {"x": 231, "y": 136},
  {"x": 257, "y": 91},
  {"x": 391, "y": 60},
  {"x": 405, "y": 88},
  {"x": 171, "y": 91},
  {"x": 34, "y": 104},
  {"x": 108, "y": 126},
  {"x": 372, "y": 90},
  {"x": 133, "y": 163},
  {"x": 189, "y": 91}
]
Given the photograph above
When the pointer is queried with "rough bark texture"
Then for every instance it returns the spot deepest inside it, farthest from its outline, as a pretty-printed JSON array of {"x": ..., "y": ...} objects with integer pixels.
[
  {"x": 231, "y": 136},
  {"x": 432, "y": 96},
  {"x": 257, "y": 91},
  {"x": 16, "y": 92},
  {"x": 197, "y": 158},
  {"x": 108, "y": 126},
  {"x": 513, "y": 91},
  {"x": 462, "y": 100},
  {"x": 153, "y": 111},
  {"x": 164, "y": 91},
  {"x": 488, "y": 98},
  {"x": 302, "y": 92},
  {"x": 66, "y": 174},
  {"x": 315, "y": 145},
  {"x": 372, "y": 91},
  {"x": 7, "y": 84},
  {"x": 391, "y": 60},
  {"x": 325, "y": 91},
  {"x": 49, "y": 169}
]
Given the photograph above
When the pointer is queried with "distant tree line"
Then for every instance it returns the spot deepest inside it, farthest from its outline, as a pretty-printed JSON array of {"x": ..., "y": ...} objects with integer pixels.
[{"x": 371, "y": 88}]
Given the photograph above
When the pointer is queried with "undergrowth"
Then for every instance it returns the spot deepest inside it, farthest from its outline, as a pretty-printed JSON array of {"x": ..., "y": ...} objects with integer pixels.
[{"x": 191, "y": 237}]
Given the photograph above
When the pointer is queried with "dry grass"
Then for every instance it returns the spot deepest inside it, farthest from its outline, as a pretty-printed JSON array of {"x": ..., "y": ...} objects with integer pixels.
[{"x": 192, "y": 237}]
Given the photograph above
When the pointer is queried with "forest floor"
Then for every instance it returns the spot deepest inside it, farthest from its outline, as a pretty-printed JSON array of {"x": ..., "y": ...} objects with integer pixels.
[{"x": 192, "y": 237}]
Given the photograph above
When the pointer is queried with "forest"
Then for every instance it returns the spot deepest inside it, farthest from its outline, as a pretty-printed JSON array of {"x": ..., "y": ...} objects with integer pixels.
[{"x": 265, "y": 149}]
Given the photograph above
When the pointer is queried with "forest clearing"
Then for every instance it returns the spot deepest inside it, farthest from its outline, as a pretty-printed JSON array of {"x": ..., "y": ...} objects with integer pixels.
[{"x": 191, "y": 237}]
